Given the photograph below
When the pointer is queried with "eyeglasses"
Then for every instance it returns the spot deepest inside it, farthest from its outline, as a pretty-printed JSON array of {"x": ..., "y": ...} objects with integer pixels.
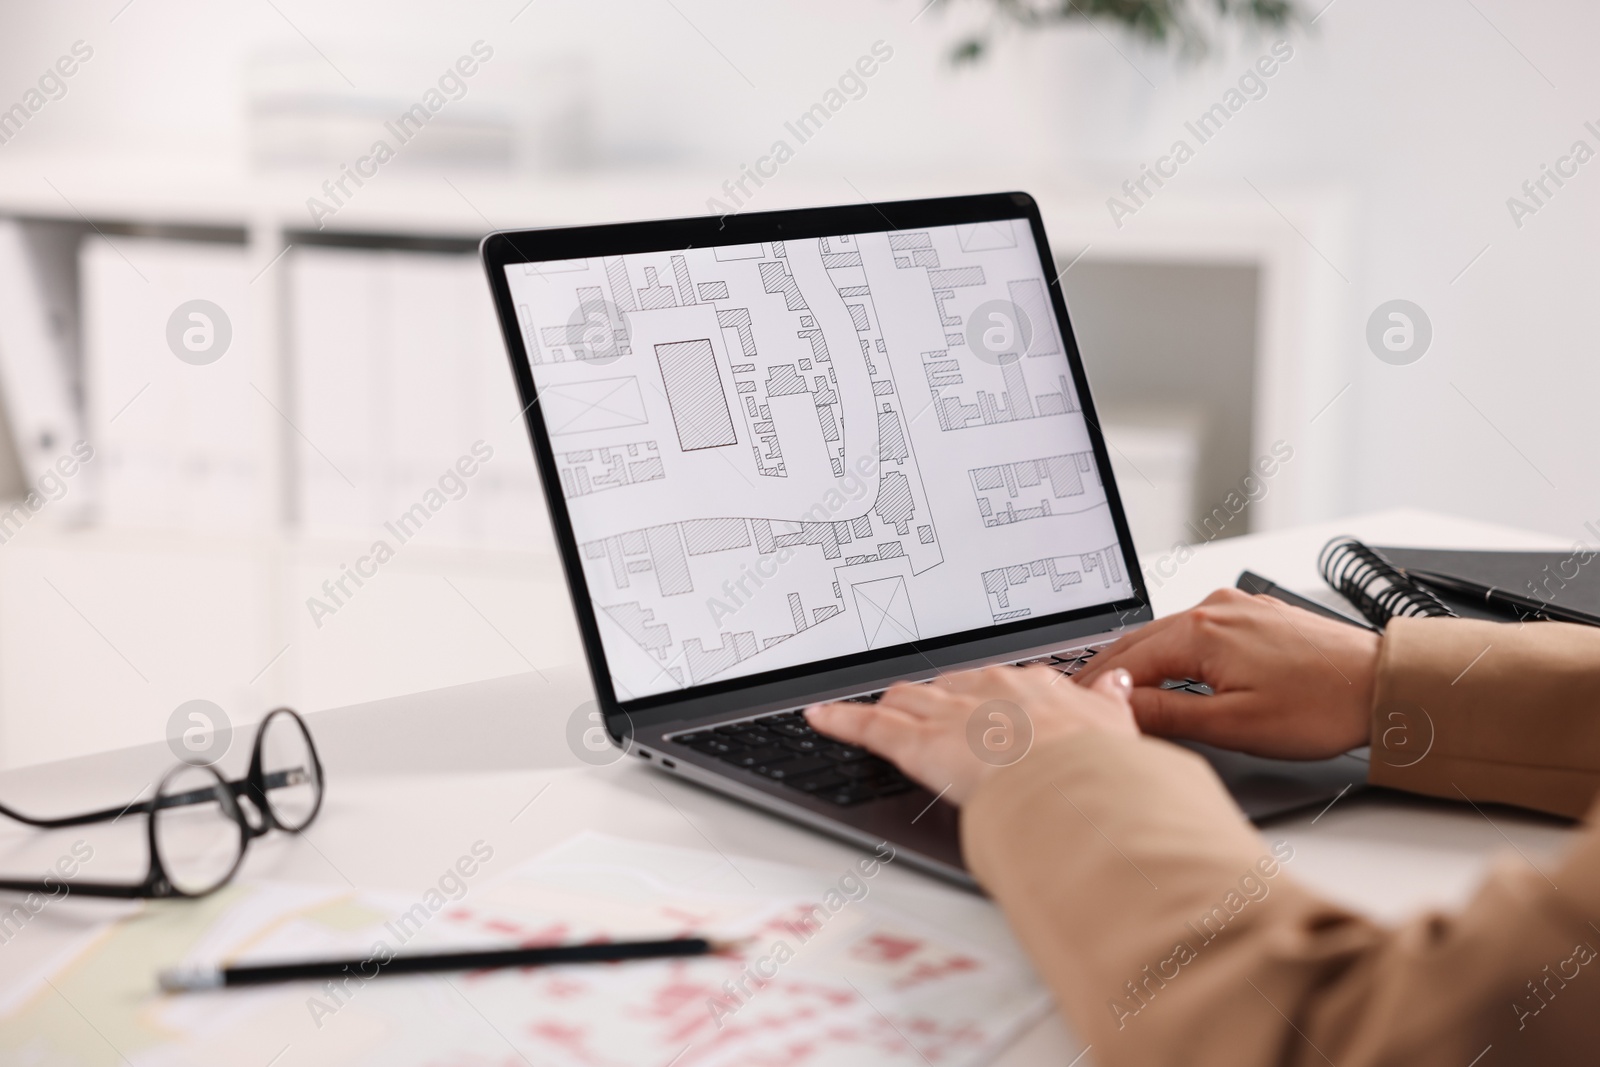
[{"x": 198, "y": 829}]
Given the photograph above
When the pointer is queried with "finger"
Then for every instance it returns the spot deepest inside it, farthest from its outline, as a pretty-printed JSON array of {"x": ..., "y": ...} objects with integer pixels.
[
  {"x": 1110, "y": 656},
  {"x": 1115, "y": 683},
  {"x": 1174, "y": 652},
  {"x": 915, "y": 698},
  {"x": 1210, "y": 720},
  {"x": 981, "y": 680},
  {"x": 886, "y": 731}
]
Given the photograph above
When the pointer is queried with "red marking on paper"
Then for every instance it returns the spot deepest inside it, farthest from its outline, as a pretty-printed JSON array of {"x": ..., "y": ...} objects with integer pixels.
[
  {"x": 564, "y": 988},
  {"x": 884, "y": 948},
  {"x": 933, "y": 970},
  {"x": 572, "y": 1039},
  {"x": 553, "y": 934}
]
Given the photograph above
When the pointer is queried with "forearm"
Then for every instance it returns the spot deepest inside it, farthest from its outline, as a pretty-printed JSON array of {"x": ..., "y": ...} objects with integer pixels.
[
  {"x": 1107, "y": 854},
  {"x": 1490, "y": 711},
  {"x": 1145, "y": 901}
]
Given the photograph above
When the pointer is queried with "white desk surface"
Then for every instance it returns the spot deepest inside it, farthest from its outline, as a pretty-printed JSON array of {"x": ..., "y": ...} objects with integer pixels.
[{"x": 412, "y": 781}]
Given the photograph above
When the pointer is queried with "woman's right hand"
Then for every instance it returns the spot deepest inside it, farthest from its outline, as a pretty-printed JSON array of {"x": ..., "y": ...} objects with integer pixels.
[{"x": 1288, "y": 683}]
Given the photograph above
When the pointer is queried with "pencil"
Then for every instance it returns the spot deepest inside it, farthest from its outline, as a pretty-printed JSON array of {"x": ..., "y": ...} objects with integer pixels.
[{"x": 186, "y": 979}]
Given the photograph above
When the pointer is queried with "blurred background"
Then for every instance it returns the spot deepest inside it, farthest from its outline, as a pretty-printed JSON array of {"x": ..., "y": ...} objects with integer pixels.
[{"x": 226, "y": 363}]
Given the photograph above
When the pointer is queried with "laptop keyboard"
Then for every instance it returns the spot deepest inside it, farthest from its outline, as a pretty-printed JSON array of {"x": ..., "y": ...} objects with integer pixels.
[
  {"x": 783, "y": 747},
  {"x": 786, "y": 749},
  {"x": 1070, "y": 662}
]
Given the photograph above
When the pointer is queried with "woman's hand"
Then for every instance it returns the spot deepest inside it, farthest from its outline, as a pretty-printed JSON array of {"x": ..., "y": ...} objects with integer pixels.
[
  {"x": 1289, "y": 683},
  {"x": 951, "y": 734}
]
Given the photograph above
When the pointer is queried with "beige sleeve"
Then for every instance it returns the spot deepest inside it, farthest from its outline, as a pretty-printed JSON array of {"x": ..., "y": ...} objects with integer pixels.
[
  {"x": 1490, "y": 711},
  {"x": 1171, "y": 932}
]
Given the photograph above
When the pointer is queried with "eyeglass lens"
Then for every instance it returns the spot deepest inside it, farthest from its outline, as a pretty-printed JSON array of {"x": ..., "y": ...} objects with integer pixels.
[
  {"x": 289, "y": 768},
  {"x": 196, "y": 830}
]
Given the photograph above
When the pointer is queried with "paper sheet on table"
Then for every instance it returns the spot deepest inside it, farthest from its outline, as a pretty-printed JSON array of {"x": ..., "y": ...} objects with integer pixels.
[{"x": 879, "y": 979}]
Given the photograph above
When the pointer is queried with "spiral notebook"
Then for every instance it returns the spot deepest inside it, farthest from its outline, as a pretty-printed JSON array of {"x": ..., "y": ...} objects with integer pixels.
[{"x": 1374, "y": 579}]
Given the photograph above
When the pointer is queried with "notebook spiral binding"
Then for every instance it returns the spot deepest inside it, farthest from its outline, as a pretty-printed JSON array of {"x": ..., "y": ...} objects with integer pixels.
[{"x": 1374, "y": 585}]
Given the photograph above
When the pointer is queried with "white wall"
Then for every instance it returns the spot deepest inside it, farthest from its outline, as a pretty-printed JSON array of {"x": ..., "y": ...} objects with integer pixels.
[{"x": 1428, "y": 115}]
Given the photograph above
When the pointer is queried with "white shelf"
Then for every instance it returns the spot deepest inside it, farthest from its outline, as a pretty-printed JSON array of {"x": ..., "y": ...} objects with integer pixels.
[
  {"x": 1192, "y": 221},
  {"x": 1294, "y": 241}
]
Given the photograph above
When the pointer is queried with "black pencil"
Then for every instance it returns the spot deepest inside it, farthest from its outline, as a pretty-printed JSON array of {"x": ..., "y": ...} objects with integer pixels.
[{"x": 179, "y": 980}]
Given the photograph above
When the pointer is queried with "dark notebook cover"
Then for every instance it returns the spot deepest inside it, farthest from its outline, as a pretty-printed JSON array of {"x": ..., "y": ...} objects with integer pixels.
[{"x": 1563, "y": 578}]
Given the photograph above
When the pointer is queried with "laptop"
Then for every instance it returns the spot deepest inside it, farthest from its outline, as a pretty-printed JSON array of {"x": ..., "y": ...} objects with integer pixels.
[{"x": 796, "y": 456}]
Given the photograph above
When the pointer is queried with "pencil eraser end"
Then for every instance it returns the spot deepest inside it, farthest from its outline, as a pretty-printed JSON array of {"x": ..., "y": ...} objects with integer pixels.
[{"x": 185, "y": 979}]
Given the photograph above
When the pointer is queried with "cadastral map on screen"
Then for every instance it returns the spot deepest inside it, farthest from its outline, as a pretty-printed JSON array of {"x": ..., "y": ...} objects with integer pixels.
[{"x": 783, "y": 452}]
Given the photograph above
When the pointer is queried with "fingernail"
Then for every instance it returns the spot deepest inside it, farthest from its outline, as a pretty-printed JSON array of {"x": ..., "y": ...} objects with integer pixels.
[{"x": 1121, "y": 679}]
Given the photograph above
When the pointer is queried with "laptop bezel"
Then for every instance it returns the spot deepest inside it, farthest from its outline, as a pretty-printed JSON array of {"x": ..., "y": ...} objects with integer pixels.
[{"x": 793, "y": 685}]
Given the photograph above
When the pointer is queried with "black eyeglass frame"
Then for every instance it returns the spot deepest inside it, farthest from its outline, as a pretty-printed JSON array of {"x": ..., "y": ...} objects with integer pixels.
[{"x": 156, "y": 885}]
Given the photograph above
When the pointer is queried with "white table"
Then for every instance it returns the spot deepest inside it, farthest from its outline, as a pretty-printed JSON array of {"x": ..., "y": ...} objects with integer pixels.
[{"x": 412, "y": 781}]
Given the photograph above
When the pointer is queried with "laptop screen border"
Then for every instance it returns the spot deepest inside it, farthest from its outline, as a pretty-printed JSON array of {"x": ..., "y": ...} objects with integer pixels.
[{"x": 786, "y": 686}]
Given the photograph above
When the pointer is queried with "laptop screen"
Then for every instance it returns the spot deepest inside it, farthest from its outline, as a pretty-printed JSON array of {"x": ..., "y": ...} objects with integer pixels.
[{"x": 782, "y": 453}]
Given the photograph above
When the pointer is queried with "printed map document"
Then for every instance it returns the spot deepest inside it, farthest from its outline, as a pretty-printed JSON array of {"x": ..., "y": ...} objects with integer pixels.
[{"x": 838, "y": 969}]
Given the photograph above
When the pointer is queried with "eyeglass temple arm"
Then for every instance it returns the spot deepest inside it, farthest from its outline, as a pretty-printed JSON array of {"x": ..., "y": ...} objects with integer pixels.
[
  {"x": 275, "y": 780},
  {"x": 72, "y": 820},
  {"x": 63, "y": 889}
]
